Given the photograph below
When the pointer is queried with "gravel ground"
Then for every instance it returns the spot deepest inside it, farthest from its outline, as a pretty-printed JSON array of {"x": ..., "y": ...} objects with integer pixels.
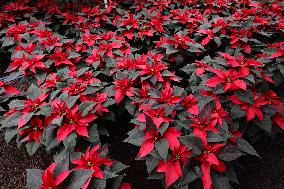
[{"x": 15, "y": 161}]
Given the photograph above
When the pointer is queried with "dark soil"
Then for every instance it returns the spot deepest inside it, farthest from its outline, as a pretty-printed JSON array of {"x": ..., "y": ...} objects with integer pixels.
[
  {"x": 266, "y": 172},
  {"x": 15, "y": 161}
]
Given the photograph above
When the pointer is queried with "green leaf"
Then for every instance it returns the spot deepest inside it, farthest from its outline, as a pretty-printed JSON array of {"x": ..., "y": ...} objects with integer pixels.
[
  {"x": 12, "y": 120},
  {"x": 16, "y": 104},
  {"x": 151, "y": 163},
  {"x": 50, "y": 140},
  {"x": 170, "y": 49},
  {"x": 97, "y": 183},
  {"x": 203, "y": 101},
  {"x": 237, "y": 112},
  {"x": 220, "y": 181},
  {"x": 93, "y": 134},
  {"x": 34, "y": 179},
  {"x": 109, "y": 174},
  {"x": 266, "y": 124},
  {"x": 85, "y": 105},
  {"x": 193, "y": 142},
  {"x": 8, "y": 42},
  {"x": 130, "y": 107},
  {"x": 118, "y": 167},
  {"x": 162, "y": 147},
  {"x": 73, "y": 55},
  {"x": 33, "y": 92},
  {"x": 229, "y": 153},
  {"x": 10, "y": 134},
  {"x": 62, "y": 163},
  {"x": 244, "y": 146},
  {"x": 82, "y": 71},
  {"x": 71, "y": 101},
  {"x": 78, "y": 178},
  {"x": 245, "y": 96},
  {"x": 213, "y": 137},
  {"x": 53, "y": 94},
  {"x": 136, "y": 137},
  {"x": 70, "y": 142},
  {"x": 190, "y": 174},
  {"x": 217, "y": 41},
  {"x": 32, "y": 147},
  {"x": 57, "y": 121}
]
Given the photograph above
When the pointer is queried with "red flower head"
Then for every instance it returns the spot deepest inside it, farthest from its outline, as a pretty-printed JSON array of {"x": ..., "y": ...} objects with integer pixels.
[
  {"x": 272, "y": 98},
  {"x": 16, "y": 30},
  {"x": 51, "y": 81},
  {"x": 35, "y": 130},
  {"x": 107, "y": 48},
  {"x": 31, "y": 106},
  {"x": 153, "y": 70},
  {"x": 89, "y": 39},
  {"x": 151, "y": 137},
  {"x": 99, "y": 99},
  {"x": 173, "y": 167},
  {"x": 92, "y": 160},
  {"x": 32, "y": 64},
  {"x": 126, "y": 63},
  {"x": 209, "y": 158},
  {"x": 51, "y": 42},
  {"x": 181, "y": 41},
  {"x": 253, "y": 109},
  {"x": 122, "y": 87},
  {"x": 94, "y": 58},
  {"x": 28, "y": 49},
  {"x": 74, "y": 88},
  {"x": 230, "y": 79},
  {"x": 43, "y": 33},
  {"x": 74, "y": 121},
  {"x": 157, "y": 115},
  {"x": 59, "y": 109},
  {"x": 60, "y": 58},
  {"x": 190, "y": 102},
  {"x": 241, "y": 62},
  {"x": 219, "y": 114},
  {"x": 87, "y": 78},
  {"x": 167, "y": 95},
  {"x": 202, "y": 125},
  {"x": 125, "y": 186},
  {"x": 49, "y": 181},
  {"x": 130, "y": 22}
]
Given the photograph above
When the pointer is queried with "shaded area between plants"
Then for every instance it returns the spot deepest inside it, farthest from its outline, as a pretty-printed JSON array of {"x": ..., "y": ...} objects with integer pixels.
[{"x": 266, "y": 172}]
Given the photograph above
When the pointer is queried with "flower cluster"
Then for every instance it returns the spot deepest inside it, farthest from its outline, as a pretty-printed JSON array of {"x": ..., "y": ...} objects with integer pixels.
[{"x": 196, "y": 76}]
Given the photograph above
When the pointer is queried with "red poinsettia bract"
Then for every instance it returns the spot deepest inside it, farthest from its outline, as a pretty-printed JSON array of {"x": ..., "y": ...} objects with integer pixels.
[
  {"x": 173, "y": 166},
  {"x": 92, "y": 160},
  {"x": 73, "y": 120},
  {"x": 50, "y": 181}
]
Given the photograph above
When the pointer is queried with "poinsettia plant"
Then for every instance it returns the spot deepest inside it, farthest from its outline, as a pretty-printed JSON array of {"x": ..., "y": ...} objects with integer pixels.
[{"x": 197, "y": 77}]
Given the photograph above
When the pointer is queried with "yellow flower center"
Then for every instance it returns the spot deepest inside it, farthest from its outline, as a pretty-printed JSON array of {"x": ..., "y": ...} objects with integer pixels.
[
  {"x": 35, "y": 106},
  {"x": 71, "y": 121},
  {"x": 229, "y": 80},
  {"x": 89, "y": 164},
  {"x": 178, "y": 156},
  {"x": 206, "y": 151}
]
